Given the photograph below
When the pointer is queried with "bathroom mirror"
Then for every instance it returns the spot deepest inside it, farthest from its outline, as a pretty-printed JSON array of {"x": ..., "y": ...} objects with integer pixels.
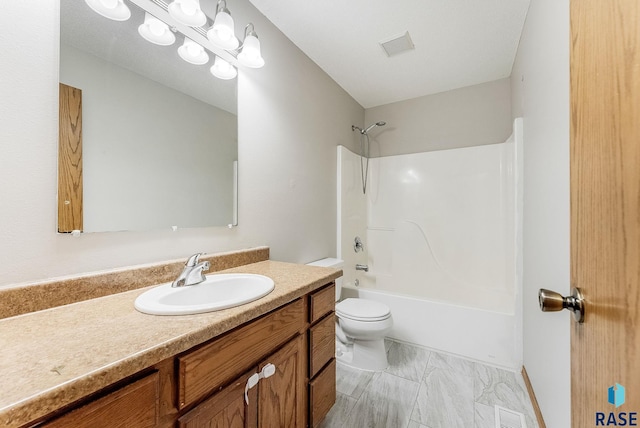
[{"x": 159, "y": 135}]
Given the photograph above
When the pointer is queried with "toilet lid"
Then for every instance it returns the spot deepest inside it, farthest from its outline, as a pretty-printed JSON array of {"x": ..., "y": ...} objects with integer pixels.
[{"x": 362, "y": 310}]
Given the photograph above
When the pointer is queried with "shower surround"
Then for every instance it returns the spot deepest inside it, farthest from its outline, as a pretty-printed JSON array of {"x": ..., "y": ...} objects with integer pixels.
[{"x": 442, "y": 240}]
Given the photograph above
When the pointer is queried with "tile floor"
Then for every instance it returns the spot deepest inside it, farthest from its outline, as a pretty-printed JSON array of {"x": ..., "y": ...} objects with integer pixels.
[{"x": 426, "y": 389}]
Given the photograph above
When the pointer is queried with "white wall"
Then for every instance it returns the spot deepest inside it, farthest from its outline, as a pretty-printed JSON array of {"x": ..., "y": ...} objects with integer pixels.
[
  {"x": 540, "y": 80},
  {"x": 291, "y": 118},
  {"x": 471, "y": 116}
]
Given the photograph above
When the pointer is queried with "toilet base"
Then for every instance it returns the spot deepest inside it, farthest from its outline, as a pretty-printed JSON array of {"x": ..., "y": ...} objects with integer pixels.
[{"x": 368, "y": 355}]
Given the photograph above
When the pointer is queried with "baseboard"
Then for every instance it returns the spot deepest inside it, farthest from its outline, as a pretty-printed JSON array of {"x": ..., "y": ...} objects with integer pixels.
[{"x": 532, "y": 397}]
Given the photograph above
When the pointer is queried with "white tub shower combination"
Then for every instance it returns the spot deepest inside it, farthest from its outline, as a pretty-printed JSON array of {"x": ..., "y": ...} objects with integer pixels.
[{"x": 442, "y": 240}]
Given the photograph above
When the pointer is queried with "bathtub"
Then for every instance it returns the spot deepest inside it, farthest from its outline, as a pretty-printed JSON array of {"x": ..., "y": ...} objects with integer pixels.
[
  {"x": 442, "y": 240},
  {"x": 485, "y": 336}
]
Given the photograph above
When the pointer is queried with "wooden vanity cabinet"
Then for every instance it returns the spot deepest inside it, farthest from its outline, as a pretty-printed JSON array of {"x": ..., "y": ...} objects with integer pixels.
[
  {"x": 275, "y": 402},
  {"x": 205, "y": 386},
  {"x": 322, "y": 350}
]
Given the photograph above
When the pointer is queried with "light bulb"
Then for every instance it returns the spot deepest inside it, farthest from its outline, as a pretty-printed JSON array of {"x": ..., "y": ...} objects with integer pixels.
[
  {"x": 192, "y": 52},
  {"x": 156, "y": 27},
  {"x": 112, "y": 9},
  {"x": 221, "y": 32},
  {"x": 109, "y": 4},
  {"x": 223, "y": 70},
  {"x": 155, "y": 31},
  {"x": 250, "y": 55},
  {"x": 187, "y": 12}
]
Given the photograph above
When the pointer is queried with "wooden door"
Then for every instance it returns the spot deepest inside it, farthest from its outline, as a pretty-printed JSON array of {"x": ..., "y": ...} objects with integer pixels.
[
  {"x": 226, "y": 409},
  {"x": 70, "y": 207},
  {"x": 605, "y": 208},
  {"x": 281, "y": 397}
]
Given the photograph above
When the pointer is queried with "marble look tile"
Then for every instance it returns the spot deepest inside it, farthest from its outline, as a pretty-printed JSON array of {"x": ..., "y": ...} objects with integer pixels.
[
  {"x": 504, "y": 388},
  {"x": 350, "y": 381},
  {"x": 445, "y": 399},
  {"x": 388, "y": 343},
  {"x": 414, "y": 424},
  {"x": 339, "y": 413},
  {"x": 485, "y": 416},
  {"x": 387, "y": 402},
  {"x": 455, "y": 364},
  {"x": 409, "y": 362}
]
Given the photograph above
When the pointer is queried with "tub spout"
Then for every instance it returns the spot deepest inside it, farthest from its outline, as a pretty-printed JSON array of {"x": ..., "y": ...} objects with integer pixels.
[{"x": 362, "y": 267}]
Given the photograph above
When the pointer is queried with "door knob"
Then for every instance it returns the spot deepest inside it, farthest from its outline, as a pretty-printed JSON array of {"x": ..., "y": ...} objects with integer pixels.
[{"x": 550, "y": 301}]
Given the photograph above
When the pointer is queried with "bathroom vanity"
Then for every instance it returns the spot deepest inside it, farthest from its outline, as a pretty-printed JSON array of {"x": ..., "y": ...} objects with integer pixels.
[{"x": 101, "y": 363}]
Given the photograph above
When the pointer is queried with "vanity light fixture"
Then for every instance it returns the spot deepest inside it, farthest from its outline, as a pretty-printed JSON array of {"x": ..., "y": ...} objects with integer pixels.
[
  {"x": 223, "y": 70},
  {"x": 250, "y": 55},
  {"x": 155, "y": 31},
  {"x": 187, "y": 12},
  {"x": 192, "y": 52},
  {"x": 112, "y": 9},
  {"x": 222, "y": 33}
]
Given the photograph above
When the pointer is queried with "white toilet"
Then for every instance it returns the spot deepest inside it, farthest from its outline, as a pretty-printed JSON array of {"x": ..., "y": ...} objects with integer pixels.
[{"x": 361, "y": 326}]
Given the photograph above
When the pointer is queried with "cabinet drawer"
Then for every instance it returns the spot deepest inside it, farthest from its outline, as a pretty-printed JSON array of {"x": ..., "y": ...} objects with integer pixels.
[
  {"x": 211, "y": 366},
  {"x": 322, "y": 394},
  {"x": 322, "y": 343},
  {"x": 135, "y": 405},
  {"x": 321, "y": 303}
]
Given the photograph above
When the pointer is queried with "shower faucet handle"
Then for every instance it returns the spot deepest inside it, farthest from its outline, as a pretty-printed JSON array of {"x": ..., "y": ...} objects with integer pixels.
[{"x": 357, "y": 246}]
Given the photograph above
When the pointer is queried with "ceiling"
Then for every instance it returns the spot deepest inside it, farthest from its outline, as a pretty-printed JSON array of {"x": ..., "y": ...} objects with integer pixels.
[{"x": 457, "y": 43}]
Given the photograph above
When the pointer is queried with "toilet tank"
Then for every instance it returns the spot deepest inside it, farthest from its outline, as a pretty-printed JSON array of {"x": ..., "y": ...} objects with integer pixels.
[{"x": 332, "y": 263}]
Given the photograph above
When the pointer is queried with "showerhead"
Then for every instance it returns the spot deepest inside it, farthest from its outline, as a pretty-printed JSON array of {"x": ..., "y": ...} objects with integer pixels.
[{"x": 364, "y": 131}]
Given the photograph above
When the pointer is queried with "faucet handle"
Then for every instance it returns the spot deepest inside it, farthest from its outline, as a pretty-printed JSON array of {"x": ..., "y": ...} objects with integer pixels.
[{"x": 193, "y": 260}]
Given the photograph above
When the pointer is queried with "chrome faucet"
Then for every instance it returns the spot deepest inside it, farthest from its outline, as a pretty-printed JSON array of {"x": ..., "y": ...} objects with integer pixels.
[
  {"x": 193, "y": 272},
  {"x": 362, "y": 267}
]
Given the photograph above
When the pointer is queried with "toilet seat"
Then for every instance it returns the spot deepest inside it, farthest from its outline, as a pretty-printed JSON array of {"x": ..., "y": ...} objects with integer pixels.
[{"x": 362, "y": 310}]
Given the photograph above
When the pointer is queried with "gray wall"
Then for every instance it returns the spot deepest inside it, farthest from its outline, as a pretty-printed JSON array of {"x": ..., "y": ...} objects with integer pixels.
[
  {"x": 291, "y": 117},
  {"x": 540, "y": 81},
  {"x": 471, "y": 116}
]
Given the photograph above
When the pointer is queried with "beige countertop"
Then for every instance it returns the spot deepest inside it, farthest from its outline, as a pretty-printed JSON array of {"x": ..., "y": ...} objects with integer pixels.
[{"x": 53, "y": 357}]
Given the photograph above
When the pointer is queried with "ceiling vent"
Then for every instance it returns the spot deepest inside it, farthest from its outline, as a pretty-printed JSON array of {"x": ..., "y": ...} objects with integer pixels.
[{"x": 398, "y": 44}]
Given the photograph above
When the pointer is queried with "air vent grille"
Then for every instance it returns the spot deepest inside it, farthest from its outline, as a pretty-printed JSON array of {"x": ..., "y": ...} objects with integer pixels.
[
  {"x": 507, "y": 418},
  {"x": 398, "y": 44}
]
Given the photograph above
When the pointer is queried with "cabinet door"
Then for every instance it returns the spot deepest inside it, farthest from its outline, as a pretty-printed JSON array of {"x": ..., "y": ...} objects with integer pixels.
[
  {"x": 135, "y": 405},
  {"x": 226, "y": 409},
  {"x": 282, "y": 397}
]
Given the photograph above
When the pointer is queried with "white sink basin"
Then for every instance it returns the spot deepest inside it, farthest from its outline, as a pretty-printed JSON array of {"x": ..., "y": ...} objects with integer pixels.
[{"x": 218, "y": 292}]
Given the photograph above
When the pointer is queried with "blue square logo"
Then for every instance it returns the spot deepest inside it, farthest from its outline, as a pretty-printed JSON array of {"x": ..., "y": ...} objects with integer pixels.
[{"x": 616, "y": 395}]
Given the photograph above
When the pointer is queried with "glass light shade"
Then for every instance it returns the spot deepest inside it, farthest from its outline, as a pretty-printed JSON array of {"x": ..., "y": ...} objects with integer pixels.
[
  {"x": 250, "y": 55},
  {"x": 223, "y": 70},
  {"x": 187, "y": 12},
  {"x": 112, "y": 9},
  {"x": 155, "y": 31},
  {"x": 192, "y": 52},
  {"x": 222, "y": 33}
]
